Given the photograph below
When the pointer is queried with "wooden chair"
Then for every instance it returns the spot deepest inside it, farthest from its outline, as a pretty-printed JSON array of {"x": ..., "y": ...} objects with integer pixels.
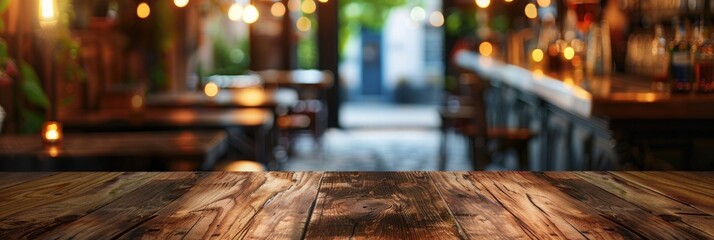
[{"x": 470, "y": 120}]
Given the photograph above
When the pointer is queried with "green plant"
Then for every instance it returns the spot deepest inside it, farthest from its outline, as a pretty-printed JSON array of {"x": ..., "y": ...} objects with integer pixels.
[{"x": 355, "y": 14}]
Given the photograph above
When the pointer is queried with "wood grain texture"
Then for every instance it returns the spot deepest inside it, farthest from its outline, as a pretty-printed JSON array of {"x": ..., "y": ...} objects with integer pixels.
[
  {"x": 49, "y": 190},
  {"x": 33, "y": 222},
  {"x": 128, "y": 210},
  {"x": 683, "y": 188},
  {"x": 360, "y": 205},
  {"x": 669, "y": 210},
  {"x": 232, "y": 205},
  {"x": 616, "y": 209},
  {"x": 478, "y": 213},
  {"x": 398, "y": 205},
  {"x": 545, "y": 212},
  {"x": 13, "y": 178}
]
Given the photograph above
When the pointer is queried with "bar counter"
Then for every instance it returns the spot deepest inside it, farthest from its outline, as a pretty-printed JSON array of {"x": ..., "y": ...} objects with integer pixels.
[
  {"x": 612, "y": 122},
  {"x": 371, "y": 205}
]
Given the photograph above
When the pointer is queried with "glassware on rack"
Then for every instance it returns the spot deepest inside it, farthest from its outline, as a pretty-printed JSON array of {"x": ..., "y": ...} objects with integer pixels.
[
  {"x": 681, "y": 62},
  {"x": 704, "y": 67},
  {"x": 660, "y": 60}
]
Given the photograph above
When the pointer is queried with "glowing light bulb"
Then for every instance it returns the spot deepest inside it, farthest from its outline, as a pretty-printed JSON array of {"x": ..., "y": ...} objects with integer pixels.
[
  {"x": 436, "y": 19},
  {"x": 303, "y": 24},
  {"x": 250, "y": 14},
  {"x": 211, "y": 89},
  {"x": 543, "y": 3},
  {"x": 537, "y": 55},
  {"x": 483, "y": 3},
  {"x": 568, "y": 53},
  {"x": 181, "y": 3},
  {"x": 143, "y": 10},
  {"x": 52, "y": 132},
  {"x": 235, "y": 12},
  {"x": 531, "y": 11},
  {"x": 486, "y": 49},
  {"x": 308, "y": 6},
  {"x": 277, "y": 9},
  {"x": 417, "y": 14}
]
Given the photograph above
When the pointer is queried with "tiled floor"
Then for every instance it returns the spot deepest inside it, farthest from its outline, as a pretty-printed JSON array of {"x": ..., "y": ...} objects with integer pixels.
[{"x": 379, "y": 138}]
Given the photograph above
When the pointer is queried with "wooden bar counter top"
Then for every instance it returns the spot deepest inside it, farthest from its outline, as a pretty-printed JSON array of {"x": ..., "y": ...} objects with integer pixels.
[{"x": 360, "y": 205}]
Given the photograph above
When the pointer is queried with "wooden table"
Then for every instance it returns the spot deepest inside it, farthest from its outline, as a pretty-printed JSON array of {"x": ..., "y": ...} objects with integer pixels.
[
  {"x": 248, "y": 129},
  {"x": 367, "y": 205},
  {"x": 105, "y": 151},
  {"x": 226, "y": 98}
]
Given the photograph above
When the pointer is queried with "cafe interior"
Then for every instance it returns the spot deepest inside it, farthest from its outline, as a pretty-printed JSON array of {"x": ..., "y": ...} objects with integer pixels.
[
  {"x": 357, "y": 119},
  {"x": 308, "y": 85}
]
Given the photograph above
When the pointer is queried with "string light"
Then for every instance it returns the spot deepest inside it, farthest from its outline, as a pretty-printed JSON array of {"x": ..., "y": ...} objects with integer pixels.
[
  {"x": 436, "y": 19},
  {"x": 143, "y": 10},
  {"x": 250, "y": 14},
  {"x": 568, "y": 53},
  {"x": 235, "y": 12},
  {"x": 537, "y": 55},
  {"x": 211, "y": 89},
  {"x": 531, "y": 11},
  {"x": 181, "y": 3},
  {"x": 277, "y": 9},
  {"x": 483, "y": 3},
  {"x": 486, "y": 49},
  {"x": 308, "y": 6},
  {"x": 303, "y": 24}
]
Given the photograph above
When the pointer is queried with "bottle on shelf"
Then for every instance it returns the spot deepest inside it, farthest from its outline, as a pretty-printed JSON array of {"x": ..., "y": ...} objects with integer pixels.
[
  {"x": 681, "y": 62},
  {"x": 660, "y": 63}
]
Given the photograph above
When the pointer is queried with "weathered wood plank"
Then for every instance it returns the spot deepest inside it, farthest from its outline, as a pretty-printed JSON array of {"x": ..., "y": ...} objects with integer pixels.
[
  {"x": 670, "y": 210},
  {"x": 285, "y": 215},
  {"x": 237, "y": 205},
  {"x": 696, "y": 193},
  {"x": 478, "y": 213},
  {"x": 35, "y": 221},
  {"x": 545, "y": 212},
  {"x": 612, "y": 207},
  {"x": 396, "y": 205},
  {"x": 48, "y": 190},
  {"x": 13, "y": 178},
  {"x": 128, "y": 210}
]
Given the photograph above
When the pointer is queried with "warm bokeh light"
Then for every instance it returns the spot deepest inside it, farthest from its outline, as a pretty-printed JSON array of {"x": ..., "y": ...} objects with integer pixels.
[
  {"x": 531, "y": 11},
  {"x": 277, "y": 9},
  {"x": 53, "y": 151},
  {"x": 568, "y": 53},
  {"x": 235, "y": 12},
  {"x": 483, "y": 3},
  {"x": 251, "y": 97},
  {"x": 508, "y": 1},
  {"x": 303, "y": 24},
  {"x": 48, "y": 13},
  {"x": 308, "y": 6},
  {"x": 323, "y": 1},
  {"x": 436, "y": 19},
  {"x": 244, "y": 166},
  {"x": 485, "y": 48},
  {"x": 417, "y": 14},
  {"x": 250, "y": 14},
  {"x": 543, "y": 3},
  {"x": 52, "y": 132},
  {"x": 537, "y": 55},
  {"x": 294, "y": 5},
  {"x": 137, "y": 101},
  {"x": 211, "y": 89},
  {"x": 180, "y": 3},
  {"x": 143, "y": 10}
]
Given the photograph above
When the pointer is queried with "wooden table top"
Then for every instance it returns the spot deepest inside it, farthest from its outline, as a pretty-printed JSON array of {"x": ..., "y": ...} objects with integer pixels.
[
  {"x": 204, "y": 147},
  {"x": 176, "y": 118},
  {"x": 377, "y": 205},
  {"x": 226, "y": 98}
]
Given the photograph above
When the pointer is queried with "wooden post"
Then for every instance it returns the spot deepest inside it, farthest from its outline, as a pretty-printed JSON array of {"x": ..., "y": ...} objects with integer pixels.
[{"x": 328, "y": 22}]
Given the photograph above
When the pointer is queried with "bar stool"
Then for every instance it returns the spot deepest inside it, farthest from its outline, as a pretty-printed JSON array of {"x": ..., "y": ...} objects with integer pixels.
[{"x": 484, "y": 140}]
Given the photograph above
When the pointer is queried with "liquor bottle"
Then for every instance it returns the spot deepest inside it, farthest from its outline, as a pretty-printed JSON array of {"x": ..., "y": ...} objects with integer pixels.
[
  {"x": 704, "y": 66},
  {"x": 660, "y": 57},
  {"x": 680, "y": 66}
]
